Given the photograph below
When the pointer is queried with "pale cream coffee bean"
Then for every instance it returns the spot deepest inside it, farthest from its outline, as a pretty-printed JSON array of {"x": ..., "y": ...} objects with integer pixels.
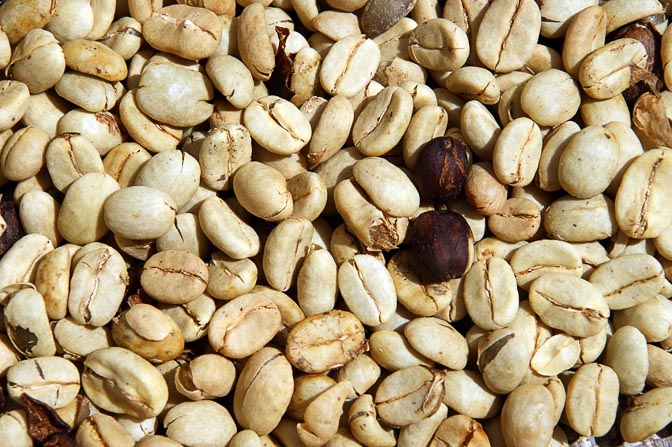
[
  {"x": 309, "y": 194},
  {"x": 122, "y": 382},
  {"x": 367, "y": 289},
  {"x": 622, "y": 12},
  {"x": 600, "y": 112},
  {"x": 103, "y": 15},
  {"x": 263, "y": 390},
  {"x": 139, "y": 212},
  {"x": 14, "y": 426},
  {"x": 183, "y": 107},
  {"x": 550, "y": 97},
  {"x": 491, "y": 293},
  {"x": 38, "y": 211},
  {"x": 392, "y": 351},
  {"x": 205, "y": 423},
  {"x": 557, "y": 15},
  {"x": 322, "y": 415},
  {"x": 306, "y": 388},
  {"x": 124, "y": 161},
  {"x": 639, "y": 203},
  {"x": 52, "y": 280},
  {"x": 387, "y": 186},
  {"x": 174, "y": 172},
  {"x": 72, "y": 19},
  {"x": 628, "y": 280},
  {"x": 349, "y": 65},
  {"x": 23, "y": 153},
  {"x": 277, "y": 125},
  {"x": 364, "y": 425},
  {"x": 362, "y": 373},
  {"x": 460, "y": 430},
  {"x": 647, "y": 414},
  {"x": 124, "y": 36},
  {"x": 428, "y": 122},
  {"x": 331, "y": 131},
  {"x": 592, "y": 400},
  {"x": 5, "y": 50},
  {"x": 94, "y": 58},
  {"x": 174, "y": 276},
  {"x": 438, "y": 341},
  {"x": 79, "y": 340},
  {"x": 288, "y": 165},
  {"x": 187, "y": 31},
  {"x": 317, "y": 282},
  {"x": 226, "y": 230},
  {"x": 420, "y": 433},
  {"x": 101, "y": 128},
  {"x": 80, "y": 218},
  {"x": 569, "y": 303},
  {"x": 503, "y": 359},
  {"x": 305, "y": 81},
  {"x": 628, "y": 356},
  {"x": 660, "y": 368},
  {"x": 19, "y": 264},
  {"x": 367, "y": 222},
  {"x": 68, "y": 157},
  {"x": 18, "y": 18},
  {"x": 44, "y": 110},
  {"x": 439, "y": 44},
  {"x": 383, "y": 121},
  {"x": 483, "y": 190},
  {"x": 192, "y": 317},
  {"x": 653, "y": 318},
  {"x": 556, "y": 355},
  {"x": 537, "y": 258},
  {"x": 516, "y": 153},
  {"x": 409, "y": 395},
  {"x": 479, "y": 128},
  {"x": 229, "y": 278},
  {"x": 27, "y": 324},
  {"x": 527, "y": 416},
  {"x": 467, "y": 393},
  {"x": 585, "y": 33},
  {"x": 37, "y": 61},
  {"x": 186, "y": 234},
  {"x": 255, "y": 48},
  {"x": 100, "y": 429},
  {"x": 14, "y": 98},
  {"x": 148, "y": 332},
  {"x": 507, "y": 34},
  {"x": 244, "y": 325},
  {"x": 607, "y": 71},
  {"x": 150, "y": 134},
  {"x": 244, "y": 438},
  {"x": 207, "y": 376},
  {"x": 415, "y": 292},
  {"x": 223, "y": 150},
  {"x": 262, "y": 191},
  {"x": 584, "y": 172},
  {"x": 97, "y": 285},
  {"x": 474, "y": 83},
  {"x": 336, "y": 24},
  {"x": 343, "y": 339},
  {"x": 89, "y": 92},
  {"x": 580, "y": 220},
  {"x": 517, "y": 220},
  {"x": 284, "y": 251},
  {"x": 232, "y": 79}
]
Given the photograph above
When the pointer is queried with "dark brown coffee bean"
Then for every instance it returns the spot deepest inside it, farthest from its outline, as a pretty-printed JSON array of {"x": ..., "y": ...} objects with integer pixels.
[
  {"x": 443, "y": 242},
  {"x": 442, "y": 169}
]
